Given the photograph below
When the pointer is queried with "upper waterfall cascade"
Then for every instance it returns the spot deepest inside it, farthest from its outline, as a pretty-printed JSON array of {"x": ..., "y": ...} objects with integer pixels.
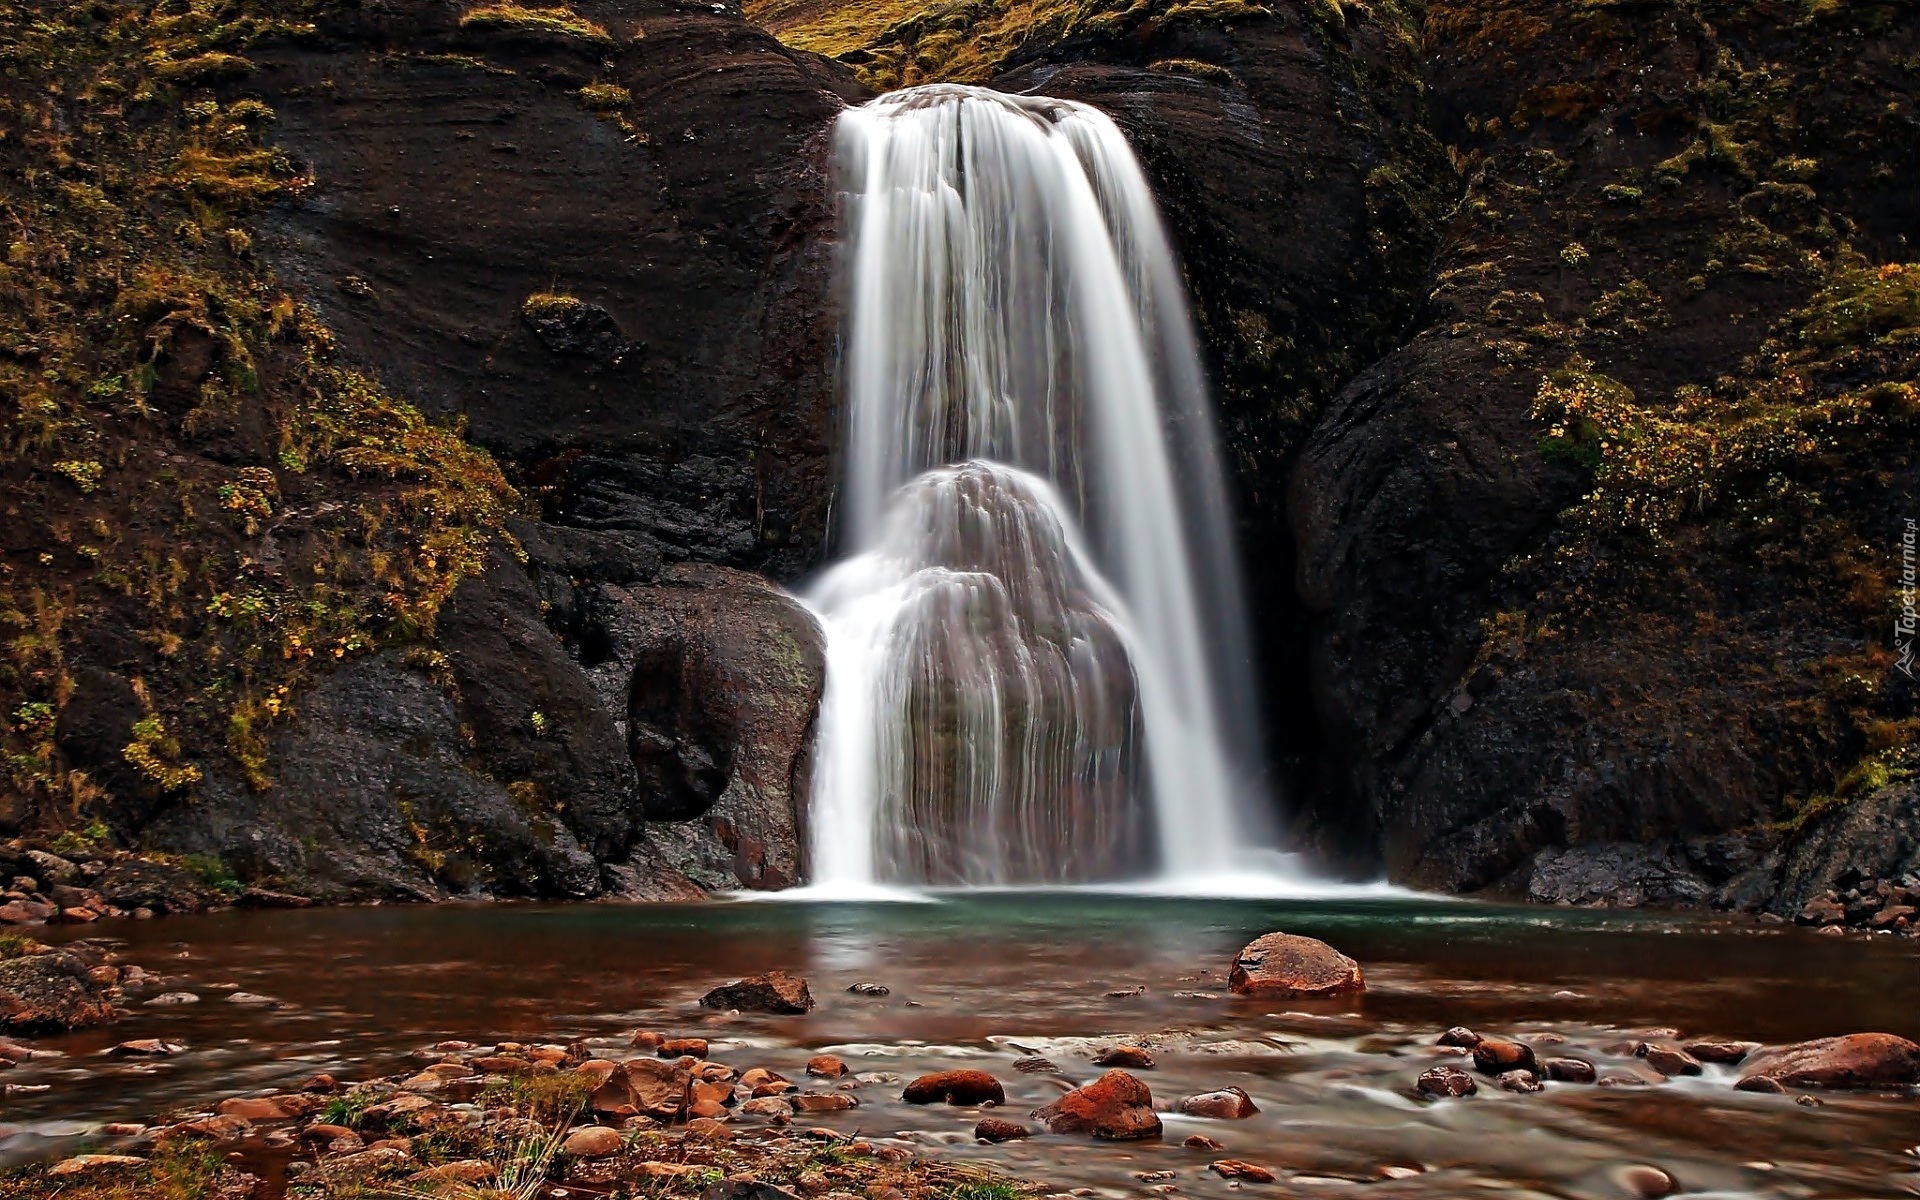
[{"x": 1035, "y": 648}]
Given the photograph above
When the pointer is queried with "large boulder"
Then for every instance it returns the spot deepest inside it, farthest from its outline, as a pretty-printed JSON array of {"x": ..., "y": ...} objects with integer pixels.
[
  {"x": 1857, "y": 1060},
  {"x": 774, "y": 992},
  {"x": 1116, "y": 1105},
  {"x": 967, "y": 1088},
  {"x": 1286, "y": 964},
  {"x": 51, "y": 993},
  {"x": 648, "y": 1087}
]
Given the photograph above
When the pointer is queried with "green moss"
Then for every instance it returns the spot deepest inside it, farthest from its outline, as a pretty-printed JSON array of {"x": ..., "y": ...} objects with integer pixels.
[{"x": 558, "y": 21}]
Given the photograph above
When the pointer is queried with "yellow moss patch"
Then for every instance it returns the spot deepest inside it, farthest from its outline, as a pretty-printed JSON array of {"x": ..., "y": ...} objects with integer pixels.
[{"x": 558, "y": 22}]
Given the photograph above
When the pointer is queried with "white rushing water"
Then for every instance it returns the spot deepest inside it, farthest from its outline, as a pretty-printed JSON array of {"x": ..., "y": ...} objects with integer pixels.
[{"x": 1035, "y": 647}]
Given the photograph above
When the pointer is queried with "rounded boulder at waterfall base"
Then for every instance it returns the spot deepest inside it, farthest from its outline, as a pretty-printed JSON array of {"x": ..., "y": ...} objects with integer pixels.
[
  {"x": 1116, "y": 1106},
  {"x": 1857, "y": 1060},
  {"x": 1286, "y": 964},
  {"x": 965, "y": 1088}
]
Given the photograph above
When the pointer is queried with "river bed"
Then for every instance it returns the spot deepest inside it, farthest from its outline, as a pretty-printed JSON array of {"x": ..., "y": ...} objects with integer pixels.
[{"x": 984, "y": 979}]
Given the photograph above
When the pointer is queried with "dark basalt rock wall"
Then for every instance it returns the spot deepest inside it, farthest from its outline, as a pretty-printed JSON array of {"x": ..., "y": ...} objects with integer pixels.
[{"x": 459, "y": 171}]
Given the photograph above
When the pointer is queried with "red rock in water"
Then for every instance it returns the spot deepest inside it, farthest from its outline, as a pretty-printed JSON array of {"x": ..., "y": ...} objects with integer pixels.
[
  {"x": 1131, "y": 1057},
  {"x": 1285, "y": 964},
  {"x": 955, "y": 1087},
  {"x": 1233, "y": 1168},
  {"x": 993, "y": 1129},
  {"x": 1667, "y": 1060},
  {"x": 815, "y": 1102},
  {"x": 774, "y": 992},
  {"x": 1721, "y": 1052},
  {"x": 675, "y": 1047},
  {"x": 1497, "y": 1056},
  {"x": 1229, "y": 1104},
  {"x": 1200, "y": 1141},
  {"x": 1857, "y": 1060},
  {"x": 647, "y": 1039},
  {"x": 1459, "y": 1036},
  {"x": 1116, "y": 1105},
  {"x": 1446, "y": 1081},
  {"x": 1520, "y": 1081},
  {"x": 826, "y": 1066}
]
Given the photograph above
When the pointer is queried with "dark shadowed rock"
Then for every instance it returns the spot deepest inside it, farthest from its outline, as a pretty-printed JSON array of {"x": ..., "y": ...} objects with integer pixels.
[
  {"x": 51, "y": 993},
  {"x": 1568, "y": 1070},
  {"x": 965, "y": 1088},
  {"x": 1668, "y": 1060},
  {"x": 138, "y": 883},
  {"x": 1116, "y": 1105},
  {"x": 1857, "y": 1060},
  {"x": 1459, "y": 1036},
  {"x": 1131, "y": 1057},
  {"x": 774, "y": 992},
  {"x": 1285, "y": 964},
  {"x": 1725, "y": 1053}
]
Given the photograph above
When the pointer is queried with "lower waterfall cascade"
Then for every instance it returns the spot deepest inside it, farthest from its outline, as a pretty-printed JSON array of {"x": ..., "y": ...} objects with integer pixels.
[{"x": 1036, "y": 653}]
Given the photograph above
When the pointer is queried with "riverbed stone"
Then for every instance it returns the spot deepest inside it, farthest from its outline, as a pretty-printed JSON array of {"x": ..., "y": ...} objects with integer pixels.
[
  {"x": 676, "y": 1047},
  {"x": 774, "y": 992},
  {"x": 1724, "y": 1053},
  {"x": 1200, "y": 1141},
  {"x": 1670, "y": 1061},
  {"x": 963, "y": 1087},
  {"x": 1459, "y": 1036},
  {"x": 645, "y": 1087},
  {"x": 1133, "y": 1058},
  {"x": 1446, "y": 1081},
  {"x": 997, "y": 1130},
  {"x": 1286, "y": 964},
  {"x": 1569, "y": 1070},
  {"x": 1497, "y": 1056},
  {"x": 1116, "y": 1106},
  {"x": 1857, "y": 1060},
  {"x": 1227, "y": 1104},
  {"x": 827, "y": 1066},
  {"x": 50, "y": 993},
  {"x": 819, "y": 1102},
  {"x": 591, "y": 1141},
  {"x": 1233, "y": 1168},
  {"x": 1524, "y": 1082},
  {"x": 80, "y": 1164}
]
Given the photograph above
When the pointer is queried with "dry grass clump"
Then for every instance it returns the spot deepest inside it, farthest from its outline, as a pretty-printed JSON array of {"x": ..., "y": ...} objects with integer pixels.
[{"x": 558, "y": 21}]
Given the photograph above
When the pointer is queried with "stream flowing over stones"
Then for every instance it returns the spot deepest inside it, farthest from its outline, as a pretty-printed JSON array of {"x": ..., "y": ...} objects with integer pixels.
[{"x": 1035, "y": 644}]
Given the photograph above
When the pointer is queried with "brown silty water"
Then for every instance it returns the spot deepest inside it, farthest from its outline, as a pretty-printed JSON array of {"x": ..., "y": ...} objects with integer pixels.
[{"x": 984, "y": 979}]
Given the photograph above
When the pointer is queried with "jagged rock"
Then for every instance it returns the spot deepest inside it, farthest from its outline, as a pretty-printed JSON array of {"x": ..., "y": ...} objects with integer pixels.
[
  {"x": 1667, "y": 1060},
  {"x": 774, "y": 992},
  {"x": 1229, "y": 1104},
  {"x": 140, "y": 883},
  {"x": 1618, "y": 875},
  {"x": 997, "y": 1130},
  {"x": 1446, "y": 1081},
  {"x": 1116, "y": 1105},
  {"x": 1285, "y": 964},
  {"x": 1233, "y": 1168},
  {"x": 645, "y": 1087},
  {"x": 51, "y": 993}
]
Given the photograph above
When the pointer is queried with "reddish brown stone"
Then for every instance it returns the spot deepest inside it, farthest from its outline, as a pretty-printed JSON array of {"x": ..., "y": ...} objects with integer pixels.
[
  {"x": 994, "y": 1129},
  {"x": 1229, "y": 1104},
  {"x": 676, "y": 1047},
  {"x": 1200, "y": 1141},
  {"x": 818, "y": 1102},
  {"x": 1233, "y": 1168},
  {"x": 955, "y": 1087},
  {"x": 1497, "y": 1056},
  {"x": 1569, "y": 1070},
  {"x": 1459, "y": 1036},
  {"x": 1858, "y": 1060},
  {"x": 1116, "y": 1105},
  {"x": 1285, "y": 964},
  {"x": 1131, "y": 1057},
  {"x": 1446, "y": 1081},
  {"x": 826, "y": 1066},
  {"x": 774, "y": 992},
  {"x": 1668, "y": 1060},
  {"x": 1721, "y": 1052}
]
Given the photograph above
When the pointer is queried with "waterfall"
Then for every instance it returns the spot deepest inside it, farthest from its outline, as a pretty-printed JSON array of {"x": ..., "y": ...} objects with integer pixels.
[{"x": 1035, "y": 647}]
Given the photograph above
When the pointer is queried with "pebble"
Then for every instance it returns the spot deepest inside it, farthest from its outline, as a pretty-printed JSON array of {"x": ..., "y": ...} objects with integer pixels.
[{"x": 165, "y": 999}]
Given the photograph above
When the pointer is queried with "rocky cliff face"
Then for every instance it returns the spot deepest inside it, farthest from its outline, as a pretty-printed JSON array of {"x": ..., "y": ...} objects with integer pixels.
[{"x": 412, "y": 397}]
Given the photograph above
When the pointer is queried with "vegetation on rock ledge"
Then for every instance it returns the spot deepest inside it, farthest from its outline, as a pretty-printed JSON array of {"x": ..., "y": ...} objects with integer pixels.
[{"x": 191, "y": 481}]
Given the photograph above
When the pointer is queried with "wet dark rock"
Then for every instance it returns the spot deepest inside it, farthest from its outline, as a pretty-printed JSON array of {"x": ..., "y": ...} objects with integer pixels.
[
  {"x": 1616, "y": 875},
  {"x": 1857, "y": 1060},
  {"x": 1667, "y": 1060},
  {"x": 870, "y": 989},
  {"x": 51, "y": 993},
  {"x": 1569, "y": 1070},
  {"x": 1760, "y": 1083},
  {"x": 1496, "y": 1056},
  {"x": 1228, "y": 1104},
  {"x": 1875, "y": 836},
  {"x": 1285, "y": 964},
  {"x": 139, "y": 883},
  {"x": 996, "y": 1130},
  {"x": 774, "y": 992},
  {"x": 1459, "y": 1036},
  {"x": 1116, "y": 1105},
  {"x": 1034, "y": 1064},
  {"x": 746, "y": 1189},
  {"x": 965, "y": 1087},
  {"x": 1446, "y": 1081},
  {"x": 254, "y": 897},
  {"x": 1645, "y": 1182},
  {"x": 1200, "y": 1141}
]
